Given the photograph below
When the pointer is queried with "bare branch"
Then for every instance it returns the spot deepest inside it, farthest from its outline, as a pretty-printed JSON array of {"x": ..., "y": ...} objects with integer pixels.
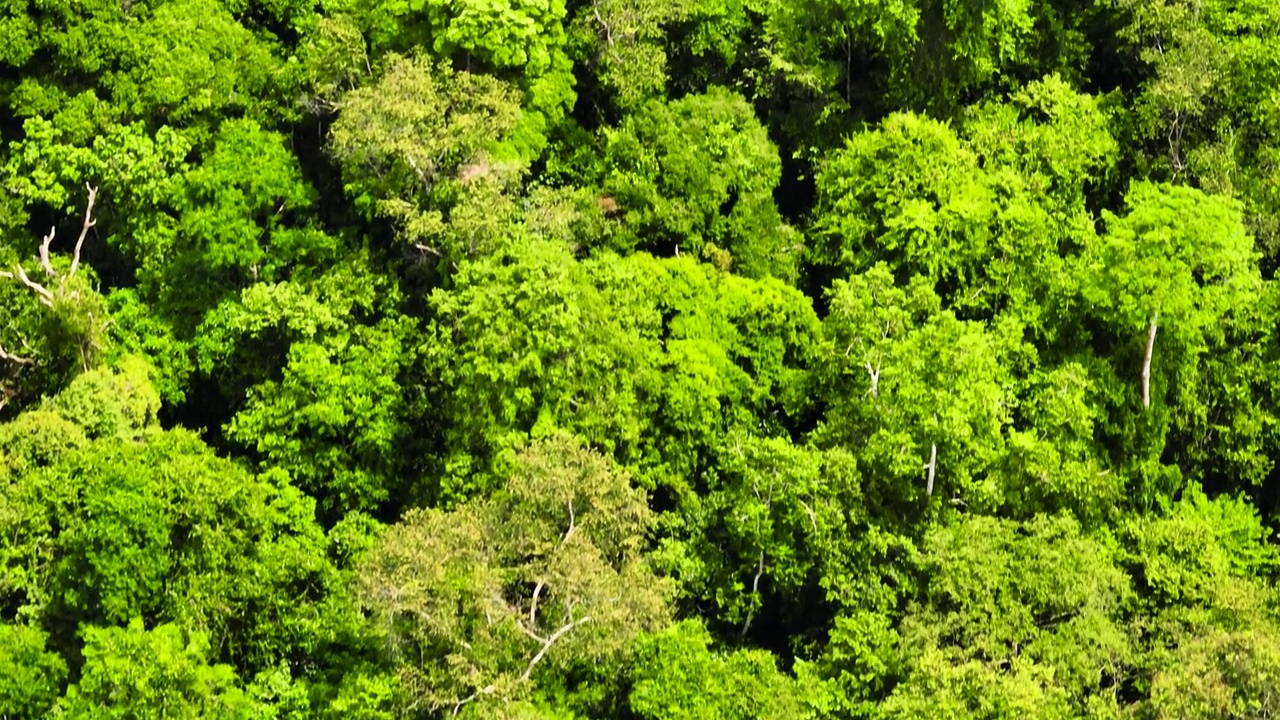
[
  {"x": 932, "y": 467},
  {"x": 472, "y": 696},
  {"x": 874, "y": 372},
  {"x": 17, "y": 359},
  {"x": 755, "y": 592},
  {"x": 549, "y": 642},
  {"x": 533, "y": 606},
  {"x": 46, "y": 297},
  {"x": 1146, "y": 362},
  {"x": 44, "y": 252},
  {"x": 529, "y": 632},
  {"x": 572, "y": 526},
  {"x": 84, "y": 229}
]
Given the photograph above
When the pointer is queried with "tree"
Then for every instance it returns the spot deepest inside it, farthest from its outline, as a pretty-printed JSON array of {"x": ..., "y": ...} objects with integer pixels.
[
  {"x": 546, "y": 575},
  {"x": 408, "y": 143},
  {"x": 161, "y": 673},
  {"x": 678, "y": 676},
  {"x": 699, "y": 173},
  {"x": 1165, "y": 279},
  {"x": 32, "y": 676},
  {"x": 108, "y": 518},
  {"x": 920, "y": 395}
]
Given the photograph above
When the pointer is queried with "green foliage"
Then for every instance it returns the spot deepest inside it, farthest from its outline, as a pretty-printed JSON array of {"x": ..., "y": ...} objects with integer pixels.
[
  {"x": 544, "y": 576},
  {"x": 677, "y": 676},
  {"x": 408, "y": 143},
  {"x": 621, "y": 359},
  {"x": 30, "y": 675},
  {"x": 532, "y": 340},
  {"x": 699, "y": 173},
  {"x": 109, "y": 518},
  {"x": 162, "y": 673},
  {"x": 914, "y": 387}
]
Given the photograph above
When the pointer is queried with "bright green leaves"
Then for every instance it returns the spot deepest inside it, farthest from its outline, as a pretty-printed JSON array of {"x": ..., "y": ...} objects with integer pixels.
[
  {"x": 986, "y": 213},
  {"x": 1226, "y": 674},
  {"x": 407, "y": 143},
  {"x": 896, "y": 55},
  {"x": 116, "y": 519},
  {"x": 624, "y": 40},
  {"x": 1206, "y": 109},
  {"x": 192, "y": 59},
  {"x": 30, "y": 675},
  {"x": 188, "y": 62},
  {"x": 677, "y": 676},
  {"x": 773, "y": 523},
  {"x": 1167, "y": 278},
  {"x": 235, "y": 200},
  {"x": 334, "y": 416},
  {"x": 1011, "y": 620},
  {"x": 132, "y": 672},
  {"x": 543, "y": 577},
  {"x": 502, "y": 33},
  {"x": 335, "y": 419},
  {"x": 1177, "y": 252},
  {"x": 911, "y": 192},
  {"x": 1206, "y": 567},
  {"x": 532, "y": 340},
  {"x": 923, "y": 397},
  {"x": 1042, "y": 591},
  {"x": 525, "y": 343},
  {"x": 699, "y": 174}
]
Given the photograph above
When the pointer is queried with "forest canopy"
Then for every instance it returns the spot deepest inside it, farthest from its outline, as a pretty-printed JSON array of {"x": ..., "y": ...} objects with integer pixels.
[{"x": 639, "y": 359}]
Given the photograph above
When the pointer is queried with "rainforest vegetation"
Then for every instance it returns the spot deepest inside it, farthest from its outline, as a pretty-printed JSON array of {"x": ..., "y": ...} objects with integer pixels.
[{"x": 639, "y": 359}]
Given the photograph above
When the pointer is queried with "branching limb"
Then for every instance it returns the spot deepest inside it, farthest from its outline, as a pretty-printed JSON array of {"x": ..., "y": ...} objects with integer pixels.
[
  {"x": 46, "y": 297},
  {"x": 458, "y": 706},
  {"x": 546, "y": 645},
  {"x": 44, "y": 252},
  {"x": 874, "y": 372},
  {"x": 533, "y": 605},
  {"x": 10, "y": 357},
  {"x": 84, "y": 229}
]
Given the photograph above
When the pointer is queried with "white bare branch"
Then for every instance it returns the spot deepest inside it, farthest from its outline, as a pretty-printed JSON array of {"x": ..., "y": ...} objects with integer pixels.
[
  {"x": 84, "y": 229},
  {"x": 1146, "y": 362},
  {"x": 932, "y": 467},
  {"x": 549, "y": 642},
  {"x": 16, "y": 359},
  {"x": 44, "y": 252},
  {"x": 874, "y": 372},
  {"x": 46, "y": 297}
]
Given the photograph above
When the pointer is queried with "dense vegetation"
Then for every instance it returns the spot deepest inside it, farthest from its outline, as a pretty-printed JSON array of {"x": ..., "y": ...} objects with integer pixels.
[{"x": 639, "y": 359}]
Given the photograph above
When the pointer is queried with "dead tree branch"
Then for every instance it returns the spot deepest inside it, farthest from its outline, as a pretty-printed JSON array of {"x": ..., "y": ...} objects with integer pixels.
[
  {"x": 932, "y": 467},
  {"x": 1146, "y": 361},
  {"x": 84, "y": 229},
  {"x": 546, "y": 645},
  {"x": 17, "y": 359},
  {"x": 44, "y": 293}
]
